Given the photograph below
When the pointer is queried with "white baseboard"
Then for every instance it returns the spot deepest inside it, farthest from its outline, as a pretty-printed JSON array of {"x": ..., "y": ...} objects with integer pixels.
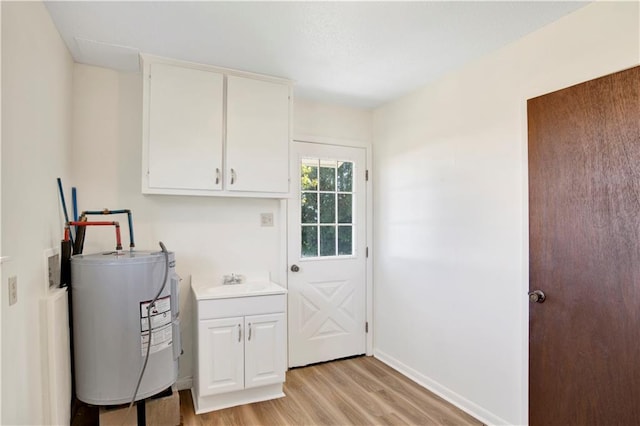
[
  {"x": 205, "y": 404},
  {"x": 443, "y": 392},
  {"x": 184, "y": 383}
]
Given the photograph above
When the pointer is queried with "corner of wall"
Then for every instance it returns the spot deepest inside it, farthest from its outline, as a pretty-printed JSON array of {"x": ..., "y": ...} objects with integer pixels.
[{"x": 36, "y": 133}]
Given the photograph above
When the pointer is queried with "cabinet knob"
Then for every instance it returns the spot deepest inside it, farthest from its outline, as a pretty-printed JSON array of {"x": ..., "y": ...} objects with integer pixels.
[{"x": 295, "y": 268}]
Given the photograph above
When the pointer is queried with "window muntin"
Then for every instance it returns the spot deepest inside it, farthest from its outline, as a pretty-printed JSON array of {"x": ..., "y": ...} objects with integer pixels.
[{"x": 326, "y": 208}]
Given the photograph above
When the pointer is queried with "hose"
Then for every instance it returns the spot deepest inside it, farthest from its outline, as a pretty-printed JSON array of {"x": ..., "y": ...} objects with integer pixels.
[{"x": 146, "y": 357}]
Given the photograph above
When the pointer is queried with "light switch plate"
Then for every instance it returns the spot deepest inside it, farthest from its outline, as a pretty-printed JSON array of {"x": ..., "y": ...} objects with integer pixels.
[
  {"x": 13, "y": 290},
  {"x": 266, "y": 219}
]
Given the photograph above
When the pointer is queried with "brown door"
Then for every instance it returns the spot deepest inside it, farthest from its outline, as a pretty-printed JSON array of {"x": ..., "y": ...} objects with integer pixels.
[{"x": 584, "y": 232}]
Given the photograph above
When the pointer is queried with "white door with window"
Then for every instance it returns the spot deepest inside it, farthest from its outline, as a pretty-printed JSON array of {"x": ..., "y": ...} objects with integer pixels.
[{"x": 327, "y": 253}]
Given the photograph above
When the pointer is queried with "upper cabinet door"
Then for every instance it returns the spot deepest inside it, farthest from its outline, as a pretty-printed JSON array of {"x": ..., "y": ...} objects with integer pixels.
[
  {"x": 257, "y": 135},
  {"x": 185, "y": 128}
]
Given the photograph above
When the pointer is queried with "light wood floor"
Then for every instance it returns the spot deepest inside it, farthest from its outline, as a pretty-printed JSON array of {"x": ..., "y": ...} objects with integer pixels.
[{"x": 356, "y": 391}]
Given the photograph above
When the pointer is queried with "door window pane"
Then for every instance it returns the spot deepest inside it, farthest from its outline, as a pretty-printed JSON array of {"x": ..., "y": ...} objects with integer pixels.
[
  {"x": 328, "y": 208},
  {"x": 309, "y": 175},
  {"x": 309, "y": 207},
  {"x": 345, "y": 240},
  {"x": 328, "y": 176},
  {"x": 327, "y": 241},
  {"x": 309, "y": 241},
  {"x": 345, "y": 176},
  {"x": 345, "y": 208}
]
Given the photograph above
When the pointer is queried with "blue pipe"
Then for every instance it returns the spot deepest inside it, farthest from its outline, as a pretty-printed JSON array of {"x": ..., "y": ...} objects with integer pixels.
[
  {"x": 130, "y": 219},
  {"x": 64, "y": 207},
  {"x": 74, "y": 201}
]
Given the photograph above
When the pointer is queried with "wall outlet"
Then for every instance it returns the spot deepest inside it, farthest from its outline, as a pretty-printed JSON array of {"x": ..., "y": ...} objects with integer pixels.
[
  {"x": 13, "y": 290},
  {"x": 266, "y": 219}
]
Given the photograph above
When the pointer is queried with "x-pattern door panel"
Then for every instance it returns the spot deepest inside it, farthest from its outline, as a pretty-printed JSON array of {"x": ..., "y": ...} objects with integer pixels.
[{"x": 328, "y": 309}]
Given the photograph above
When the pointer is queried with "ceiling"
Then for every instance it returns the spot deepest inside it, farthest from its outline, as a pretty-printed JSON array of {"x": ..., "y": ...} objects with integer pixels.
[{"x": 360, "y": 54}]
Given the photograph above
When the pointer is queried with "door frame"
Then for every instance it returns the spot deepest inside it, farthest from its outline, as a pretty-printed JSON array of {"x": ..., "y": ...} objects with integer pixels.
[
  {"x": 284, "y": 249},
  {"x": 526, "y": 231}
]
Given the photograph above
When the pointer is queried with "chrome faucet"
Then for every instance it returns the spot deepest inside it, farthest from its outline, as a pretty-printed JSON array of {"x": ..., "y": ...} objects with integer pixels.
[{"x": 232, "y": 279}]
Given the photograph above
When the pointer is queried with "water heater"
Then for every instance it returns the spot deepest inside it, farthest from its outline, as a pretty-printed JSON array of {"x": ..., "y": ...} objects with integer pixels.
[{"x": 110, "y": 296}]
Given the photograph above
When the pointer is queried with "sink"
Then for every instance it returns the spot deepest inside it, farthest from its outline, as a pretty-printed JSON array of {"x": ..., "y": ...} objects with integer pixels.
[
  {"x": 256, "y": 287},
  {"x": 237, "y": 290}
]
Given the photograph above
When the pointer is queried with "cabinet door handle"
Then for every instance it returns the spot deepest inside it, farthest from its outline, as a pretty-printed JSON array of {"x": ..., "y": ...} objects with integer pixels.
[
  {"x": 239, "y": 333},
  {"x": 249, "y": 338},
  {"x": 217, "y": 175},
  {"x": 233, "y": 176}
]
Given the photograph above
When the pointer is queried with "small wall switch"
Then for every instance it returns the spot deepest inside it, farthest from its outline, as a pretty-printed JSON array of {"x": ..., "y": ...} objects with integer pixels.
[
  {"x": 266, "y": 219},
  {"x": 13, "y": 290}
]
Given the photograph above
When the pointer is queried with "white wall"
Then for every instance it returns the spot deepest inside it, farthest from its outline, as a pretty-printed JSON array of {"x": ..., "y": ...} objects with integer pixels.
[
  {"x": 450, "y": 206},
  {"x": 317, "y": 121},
  {"x": 36, "y": 134},
  {"x": 1, "y": 278}
]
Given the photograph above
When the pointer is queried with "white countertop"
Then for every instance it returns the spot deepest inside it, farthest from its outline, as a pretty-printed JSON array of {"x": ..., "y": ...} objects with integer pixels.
[{"x": 204, "y": 291}]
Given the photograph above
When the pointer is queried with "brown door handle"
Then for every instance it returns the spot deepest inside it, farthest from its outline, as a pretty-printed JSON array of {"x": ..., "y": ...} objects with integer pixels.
[{"x": 537, "y": 296}]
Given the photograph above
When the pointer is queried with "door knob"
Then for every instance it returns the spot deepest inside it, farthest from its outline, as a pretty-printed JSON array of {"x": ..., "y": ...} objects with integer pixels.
[
  {"x": 295, "y": 268},
  {"x": 537, "y": 296}
]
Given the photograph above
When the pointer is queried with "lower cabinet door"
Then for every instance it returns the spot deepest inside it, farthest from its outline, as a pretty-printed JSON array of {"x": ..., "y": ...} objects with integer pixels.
[
  {"x": 221, "y": 355},
  {"x": 265, "y": 361}
]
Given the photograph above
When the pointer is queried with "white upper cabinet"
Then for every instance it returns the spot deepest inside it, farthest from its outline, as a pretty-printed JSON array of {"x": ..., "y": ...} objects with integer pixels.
[
  {"x": 185, "y": 130},
  {"x": 211, "y": 131},
  {"x": 257, "y": 135}
]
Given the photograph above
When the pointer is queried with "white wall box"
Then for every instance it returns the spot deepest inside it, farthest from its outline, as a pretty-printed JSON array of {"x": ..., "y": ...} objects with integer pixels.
[
  {"x": 214, "y": 131},
  {"x": 241, "y": 351}
]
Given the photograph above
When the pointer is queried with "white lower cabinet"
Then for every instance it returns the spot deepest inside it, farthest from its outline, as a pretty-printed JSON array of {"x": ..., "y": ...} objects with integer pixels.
[
  {"x": 241, "y": 352},
  {"x": 222, "y": 356},
  {"x": 264, "y": 360},
  {"x": 240, "y": 359}
]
